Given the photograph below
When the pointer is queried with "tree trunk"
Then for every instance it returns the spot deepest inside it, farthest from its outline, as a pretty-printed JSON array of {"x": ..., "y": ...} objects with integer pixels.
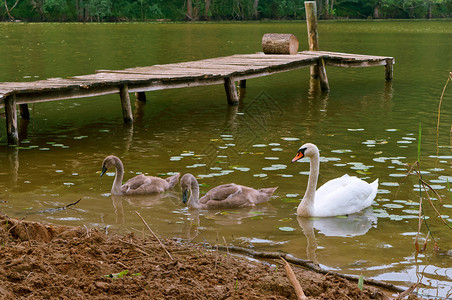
[
  {"x": 8, "y": 10},
  {"x": 376, "y": 12},
  {"x": 256, "y": 7},
  {"x": 207, "y": 7},
  {"x": 275, "y": 43},
  {"x": 189, "y": 10},
  {"x": 327, "y": 9}
]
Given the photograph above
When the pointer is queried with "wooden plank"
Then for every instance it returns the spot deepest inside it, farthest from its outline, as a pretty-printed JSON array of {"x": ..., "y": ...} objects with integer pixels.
[
  {"x": 328, "y": 54},
  {"x": 67, "y": 93},
  {"x": 178, "y": 75},
  {"x": 353, "y": 64}
]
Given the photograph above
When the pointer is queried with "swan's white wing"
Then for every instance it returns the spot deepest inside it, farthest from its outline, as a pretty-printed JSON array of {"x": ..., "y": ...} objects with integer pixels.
[
  {"x": 332, "y": 185},
  {"x": 343, "y": 196}
]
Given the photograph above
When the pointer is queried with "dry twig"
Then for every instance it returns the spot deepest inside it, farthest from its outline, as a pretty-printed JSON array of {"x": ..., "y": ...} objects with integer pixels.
[
  {"x": 163, "y": 246},
  {"x": 439, "y": 111},
  {"x": 407, "y": 292},
  {"x": 293, "y": 280},
  {"x": 309, "y": 265}
]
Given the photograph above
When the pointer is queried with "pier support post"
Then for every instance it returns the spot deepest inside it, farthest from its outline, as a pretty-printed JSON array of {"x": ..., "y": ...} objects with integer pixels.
[
  {"x": 141, "y": 96},
  {"x": 231, "y": 91},
  {"x": 11, "y": 120},
  {"x": 324, "y": 84},
  {"x": 242, "y": 83},
  {"x": 388, "y": 69},
  {"x": 23, "y": 111},
  {"x": 125, "y": 101},
  {"x": 313, "y": 34},
  {"x": 318, "y": 71}
]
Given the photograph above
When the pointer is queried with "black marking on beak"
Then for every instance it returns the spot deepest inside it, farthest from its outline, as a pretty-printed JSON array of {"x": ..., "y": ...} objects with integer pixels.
[
  {"x": 103, "y": 171},
  {"x": 184, "y": 196}
]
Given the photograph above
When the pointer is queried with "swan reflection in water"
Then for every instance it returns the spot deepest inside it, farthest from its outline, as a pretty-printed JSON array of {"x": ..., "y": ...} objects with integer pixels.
[
  {"x": 224, "y": 217},
  {"x": 344, "y": 226},
  {"x": 141, "y": 201}
]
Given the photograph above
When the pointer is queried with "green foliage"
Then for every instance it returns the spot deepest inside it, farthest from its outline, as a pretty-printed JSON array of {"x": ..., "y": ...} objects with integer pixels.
[
  {"x": 99, "y": 9},
  {"x": 361, "y": 282},
  {"x": 177, "y": 10}
]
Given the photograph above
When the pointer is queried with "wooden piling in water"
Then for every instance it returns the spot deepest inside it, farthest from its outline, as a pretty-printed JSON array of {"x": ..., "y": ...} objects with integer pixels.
[
  {"x": 125, "y": 101},
  {"x": 23, "y": 111},
  {"x": 318, "y": 71},
  {"x": 11, "y": 120},
  {"x": 388, "y": 69},
  {"x": 140, "y": 96},
  {"x": 231, "y": 91}
]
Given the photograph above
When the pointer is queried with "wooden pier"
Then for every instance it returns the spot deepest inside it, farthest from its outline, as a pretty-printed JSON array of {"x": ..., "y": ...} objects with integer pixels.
[{"x": 221, "y": 70}]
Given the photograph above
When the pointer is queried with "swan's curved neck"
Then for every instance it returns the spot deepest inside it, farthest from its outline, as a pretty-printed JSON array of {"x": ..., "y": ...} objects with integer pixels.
[
  {"x": 116, "y": 188},
  {"x": 306, "y": 206},
  {"x": 193, "y": 201}
]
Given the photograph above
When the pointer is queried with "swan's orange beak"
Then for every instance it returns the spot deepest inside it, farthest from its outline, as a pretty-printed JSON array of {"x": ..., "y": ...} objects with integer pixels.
[{"x": 298, "y": 156}]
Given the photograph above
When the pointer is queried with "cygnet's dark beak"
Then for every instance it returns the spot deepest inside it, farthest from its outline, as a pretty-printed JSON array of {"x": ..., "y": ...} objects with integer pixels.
[
  {"x": 103, "y": 171},
  {"x": 185, "y": 196}
]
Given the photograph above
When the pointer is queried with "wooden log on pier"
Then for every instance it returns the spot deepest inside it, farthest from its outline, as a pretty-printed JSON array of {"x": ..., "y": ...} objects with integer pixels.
[{"x": 278, "y": 43}]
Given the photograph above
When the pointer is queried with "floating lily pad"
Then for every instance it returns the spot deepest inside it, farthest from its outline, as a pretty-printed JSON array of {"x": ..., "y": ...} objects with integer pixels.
[
  {"x": 286, "y": 228},
  {"x": 290, "y": 200},
  {"x": 285, "y": 219}
]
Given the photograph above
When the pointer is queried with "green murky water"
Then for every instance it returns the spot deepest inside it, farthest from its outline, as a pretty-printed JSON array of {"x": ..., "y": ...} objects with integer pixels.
[{"x": 363, "y": 127}]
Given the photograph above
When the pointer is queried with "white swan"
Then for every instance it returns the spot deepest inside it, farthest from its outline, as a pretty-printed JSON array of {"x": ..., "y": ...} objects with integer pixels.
[
  {"x": 138, "y": 185},
  {"x": 340, "y": 196}
]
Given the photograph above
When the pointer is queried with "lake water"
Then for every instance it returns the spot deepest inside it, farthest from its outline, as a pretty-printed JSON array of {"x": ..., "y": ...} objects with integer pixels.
[{"x": 363, "y": 126}]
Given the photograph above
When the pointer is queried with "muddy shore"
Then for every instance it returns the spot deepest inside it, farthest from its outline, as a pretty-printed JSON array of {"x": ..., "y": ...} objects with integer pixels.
[{"x": 41, "y": 261}]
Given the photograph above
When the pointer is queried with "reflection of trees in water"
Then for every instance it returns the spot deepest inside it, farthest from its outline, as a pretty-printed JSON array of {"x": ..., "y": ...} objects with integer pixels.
[{"x": 244, "y": 125}]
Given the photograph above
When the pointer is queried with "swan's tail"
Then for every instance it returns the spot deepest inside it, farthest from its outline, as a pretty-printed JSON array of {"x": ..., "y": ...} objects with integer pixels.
[
  {"x": 372, "y": 195},
  {"x": 265, "y": 194},
  {"x": 172, "y": 181}
]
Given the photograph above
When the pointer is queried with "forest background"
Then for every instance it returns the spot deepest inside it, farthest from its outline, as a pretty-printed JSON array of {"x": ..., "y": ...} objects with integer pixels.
[{"x": 215, "y": 10}]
